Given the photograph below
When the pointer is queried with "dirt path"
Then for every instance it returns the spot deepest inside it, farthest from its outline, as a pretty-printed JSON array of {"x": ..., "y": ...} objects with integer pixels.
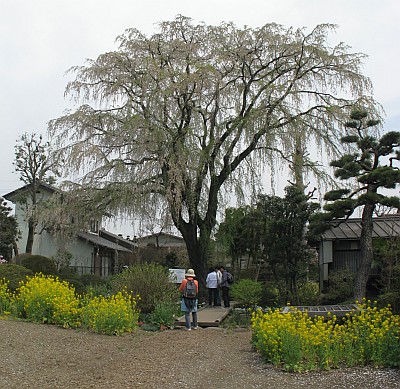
[{"x": 43, "y": 356}]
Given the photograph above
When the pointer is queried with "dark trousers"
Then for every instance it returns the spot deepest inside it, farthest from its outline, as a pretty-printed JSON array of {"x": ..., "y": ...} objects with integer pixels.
[
  {"x": 219, "y": 296},
  {"x": 225, "y": 296},
  {"x": 213, "y": 296}
]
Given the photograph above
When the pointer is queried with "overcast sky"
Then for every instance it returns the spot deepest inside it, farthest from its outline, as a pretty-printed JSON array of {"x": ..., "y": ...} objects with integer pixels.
[{"x": 41, "y": 39}]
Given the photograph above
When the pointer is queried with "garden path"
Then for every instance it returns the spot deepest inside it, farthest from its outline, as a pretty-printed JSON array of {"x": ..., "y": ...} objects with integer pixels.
[{"x": 208, "y": 316}]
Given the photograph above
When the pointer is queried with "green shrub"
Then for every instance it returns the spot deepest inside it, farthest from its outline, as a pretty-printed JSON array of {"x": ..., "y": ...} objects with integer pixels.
[
  {"x": 340, "y": 288},
  {"x": 237, "y": 318},
  {"x": 39, "y": 264},
  {"x": 79, "y": 287},
  {"x": 270, "y": 295},
  {"x": 391, "y": 288},
  {"x": 164, "y": 314},
  {"x": 247, "y": 292},
  {"x": 309, "y": 293},
  {"x": 150, "y": 281},
  {"x": 14, "y": 274},
  {"x": 392, "y": 299},
  {"x": 92, "y": 280},
  {"x": 97, "y": 285}
]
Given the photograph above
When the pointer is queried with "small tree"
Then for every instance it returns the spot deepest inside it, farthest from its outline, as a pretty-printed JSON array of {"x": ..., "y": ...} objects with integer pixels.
[
  {"x": 34, "y": 166},
  {"x": 150, "y": 281},
  {"x": 372, "y": 165},
  {"x": 247, "y": 293},
  {"x": 8, "y": 230},
  {"x": 273, "y": 232},
  {"x": 285, "y": 248},
  {"x": 239, "y": 234}
]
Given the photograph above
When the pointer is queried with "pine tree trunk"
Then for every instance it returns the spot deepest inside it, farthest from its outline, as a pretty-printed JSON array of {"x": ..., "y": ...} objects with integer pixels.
[{"x": 363, "y": 272}]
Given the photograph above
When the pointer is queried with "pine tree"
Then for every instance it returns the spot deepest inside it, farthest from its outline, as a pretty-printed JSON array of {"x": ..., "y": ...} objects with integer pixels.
[{"x": 372, "y": 164}]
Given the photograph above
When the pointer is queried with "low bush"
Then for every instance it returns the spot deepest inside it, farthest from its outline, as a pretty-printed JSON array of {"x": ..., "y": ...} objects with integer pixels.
[
  {"x": 84, "y": 283},
  {"x": 164, "y": 314},
  {"x": 390, "y": 298},
  {"x": 39, "y": 264},
  {"x": 340, "y": 288},
  {"x": 247, "y": 292},
  {"x": 150, "y": 281},
  {"x": 92, "y": 280},
  {"x": 79, "y": 287},
  {"x": 309, "y": 294},
  {"x": 14, "y": 274},
  {"x": 237, "y": 318},
  {"x": 270, "y": 295}
]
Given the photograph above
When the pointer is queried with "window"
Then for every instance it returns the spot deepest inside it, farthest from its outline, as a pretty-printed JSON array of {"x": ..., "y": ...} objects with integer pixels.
[{"x": 94, "y": 226}]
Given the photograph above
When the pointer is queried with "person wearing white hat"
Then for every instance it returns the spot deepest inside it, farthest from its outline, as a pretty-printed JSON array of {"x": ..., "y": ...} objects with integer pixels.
[{"x": 190, "y": 289}]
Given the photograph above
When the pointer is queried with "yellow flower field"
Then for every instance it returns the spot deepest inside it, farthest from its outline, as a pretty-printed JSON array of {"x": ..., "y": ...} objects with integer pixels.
[{"x": 299, "y": 343}]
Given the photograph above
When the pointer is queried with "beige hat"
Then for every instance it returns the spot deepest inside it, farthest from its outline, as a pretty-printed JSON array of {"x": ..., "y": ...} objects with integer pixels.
[{"x": 190, "y": 273}]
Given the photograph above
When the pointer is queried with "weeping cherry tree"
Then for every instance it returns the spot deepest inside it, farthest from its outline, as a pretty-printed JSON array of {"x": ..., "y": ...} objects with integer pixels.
[{"x": 175, "y": 122}]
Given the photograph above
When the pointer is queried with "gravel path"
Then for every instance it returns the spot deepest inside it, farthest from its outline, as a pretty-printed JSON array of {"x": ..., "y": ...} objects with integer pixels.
[{"x": 43, "y": 356}]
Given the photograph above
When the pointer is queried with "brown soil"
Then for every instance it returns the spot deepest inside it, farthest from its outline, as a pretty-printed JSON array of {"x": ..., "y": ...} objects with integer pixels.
[{"x": 43, "y": 356}]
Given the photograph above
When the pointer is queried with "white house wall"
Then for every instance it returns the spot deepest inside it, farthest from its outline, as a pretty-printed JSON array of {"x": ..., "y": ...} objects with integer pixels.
[
  {"x": 44, "y": 244},
  {"x": 23, "y": 226},
  {"x": 82, "y": 253}
]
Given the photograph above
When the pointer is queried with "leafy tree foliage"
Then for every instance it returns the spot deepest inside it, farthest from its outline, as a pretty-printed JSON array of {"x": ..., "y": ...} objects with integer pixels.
[
  {"x": 274, "y": 232},
  {"x": 33, "y": 164},
  {"x": 239, "y": 234},
  {"x": 387, "y": 257},
  {"x": 372, "y": 164},
  {"x": 247, "y": 293},
  {"x": 283, "y": 238},
  {"x": 8, "y": 230},
  {"x": 166, "y": 122}
]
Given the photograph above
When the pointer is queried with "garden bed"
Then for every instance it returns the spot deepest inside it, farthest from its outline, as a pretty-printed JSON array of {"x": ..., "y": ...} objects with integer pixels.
[{"x": 47, "y": 356}]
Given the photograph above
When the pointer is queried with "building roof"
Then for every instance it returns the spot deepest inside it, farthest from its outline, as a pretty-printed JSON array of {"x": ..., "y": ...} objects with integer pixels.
[
  {"x": 12, "y": 195},
  {"x": 118, "y": 239},
  {"x": 99, "y": 241},
  {"x": 160, "y": 234},
  {"x": 383, "y": 227}
]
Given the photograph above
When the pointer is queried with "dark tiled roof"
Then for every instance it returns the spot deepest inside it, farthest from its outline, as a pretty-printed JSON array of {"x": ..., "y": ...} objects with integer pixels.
[
  {"x": 118, "y": 239},
  {"x": 383, "y": 227},
  {"x": 97, "y": 240}
]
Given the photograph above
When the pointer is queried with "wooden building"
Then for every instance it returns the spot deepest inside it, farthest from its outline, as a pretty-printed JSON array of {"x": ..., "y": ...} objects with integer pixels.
[{"x": 339, "y": 248}]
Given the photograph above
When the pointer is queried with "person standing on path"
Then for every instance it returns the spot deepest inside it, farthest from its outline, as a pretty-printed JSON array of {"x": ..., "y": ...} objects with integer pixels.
[
  {"x": 225, "y": 287},
  {"x": 190, "y": 290},
  {"x": 219, "y": 277},
  {"x": 212, "y": 286}
]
